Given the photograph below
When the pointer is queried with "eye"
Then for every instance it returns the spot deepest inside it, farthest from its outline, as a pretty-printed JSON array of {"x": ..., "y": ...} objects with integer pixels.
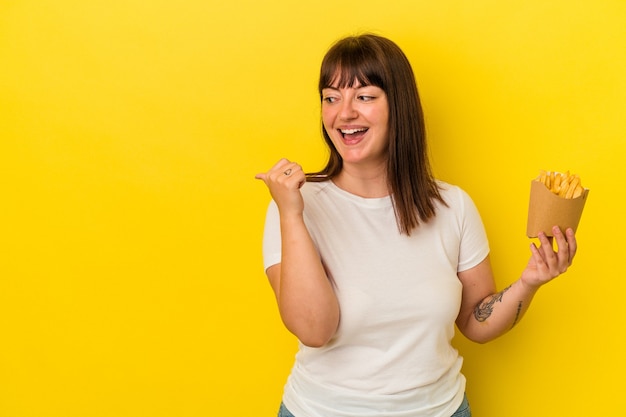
[
  {"x": 329, "y": 99},
  {"x": 364, "y": 97}
]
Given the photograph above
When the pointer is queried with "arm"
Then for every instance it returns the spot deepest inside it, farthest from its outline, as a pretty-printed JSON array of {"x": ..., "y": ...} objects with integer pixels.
[
  {"x": 485, "y": 314},
  {"x": 306, "y": 299}
]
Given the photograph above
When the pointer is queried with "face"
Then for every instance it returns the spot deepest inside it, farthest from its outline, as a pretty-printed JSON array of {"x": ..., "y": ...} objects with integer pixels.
[{"x": 356, "y": 120}]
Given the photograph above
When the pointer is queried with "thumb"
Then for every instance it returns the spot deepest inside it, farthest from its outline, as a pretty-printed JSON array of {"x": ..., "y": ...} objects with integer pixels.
[{"x": 260, "y": 176}]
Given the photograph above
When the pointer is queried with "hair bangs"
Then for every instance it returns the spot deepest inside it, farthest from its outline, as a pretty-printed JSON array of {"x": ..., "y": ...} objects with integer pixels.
[{"x": 348, "y": 66}]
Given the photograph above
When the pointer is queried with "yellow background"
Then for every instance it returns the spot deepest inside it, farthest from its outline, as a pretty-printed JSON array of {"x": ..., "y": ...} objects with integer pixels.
[{"x": 130, "y": 223}]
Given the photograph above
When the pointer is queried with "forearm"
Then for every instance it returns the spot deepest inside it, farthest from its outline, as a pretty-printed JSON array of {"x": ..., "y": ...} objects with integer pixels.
[
  {"x": 499, "y": 312},
  {"x": 306, "y": 299}
]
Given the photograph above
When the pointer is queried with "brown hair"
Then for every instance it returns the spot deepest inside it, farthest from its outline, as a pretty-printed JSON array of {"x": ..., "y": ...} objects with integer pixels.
[{"x": 374, "y": 60}]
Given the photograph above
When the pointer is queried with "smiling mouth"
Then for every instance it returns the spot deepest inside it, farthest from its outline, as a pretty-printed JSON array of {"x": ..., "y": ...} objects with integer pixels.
[{"x": 351, "y": 133}]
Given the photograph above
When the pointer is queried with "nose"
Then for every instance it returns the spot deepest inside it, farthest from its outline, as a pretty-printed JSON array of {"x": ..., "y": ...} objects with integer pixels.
[{"x": 348, "y": 110}]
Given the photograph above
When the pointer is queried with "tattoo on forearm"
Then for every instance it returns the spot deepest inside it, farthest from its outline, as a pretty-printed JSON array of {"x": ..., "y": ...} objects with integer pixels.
[
  {"x": 483, "y": 311},
  {"x": 519, "y": 310}
]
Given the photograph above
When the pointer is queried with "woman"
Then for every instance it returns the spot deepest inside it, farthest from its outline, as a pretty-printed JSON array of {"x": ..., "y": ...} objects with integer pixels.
[{"x": 373, "y": 261}]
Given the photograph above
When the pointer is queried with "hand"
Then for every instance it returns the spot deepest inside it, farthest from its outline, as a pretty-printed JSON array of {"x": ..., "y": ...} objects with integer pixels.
[
  {"x": 545, "y": 263},
  {"x": 284, "y": 181}
]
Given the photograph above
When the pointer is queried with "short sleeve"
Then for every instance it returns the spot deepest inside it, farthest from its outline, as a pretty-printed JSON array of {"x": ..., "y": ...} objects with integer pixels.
[
  {"x": 474, "y": 243},
  {"x": 271, "y": 237}
]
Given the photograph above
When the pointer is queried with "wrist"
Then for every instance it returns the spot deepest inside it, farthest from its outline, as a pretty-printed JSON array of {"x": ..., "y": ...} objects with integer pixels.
[
  {"x": 288, "y": 219},
  {"x": 527, "y": 287}
]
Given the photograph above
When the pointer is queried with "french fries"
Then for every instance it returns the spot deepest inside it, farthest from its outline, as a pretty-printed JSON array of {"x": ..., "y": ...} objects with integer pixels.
[{"x": 562, "y": 184}]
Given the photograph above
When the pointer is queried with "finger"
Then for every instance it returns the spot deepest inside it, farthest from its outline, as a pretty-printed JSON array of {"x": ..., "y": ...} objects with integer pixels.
[
  {"x": 572, "y": 243},
  {"x": 280, "y": 164},
  {"x": 296, "y": 177},
  {"x": 561, "y": 242},
  {"x": 546, "y": 244},
  {"x": 292, "y": 170},
  {"x": 537, "y": 256},
  {"x": 289, "y": 170},
  {"x": 278, "y": 167},
  {"x": 563, "y": 253},
  {"x": 275, "y": 171}
]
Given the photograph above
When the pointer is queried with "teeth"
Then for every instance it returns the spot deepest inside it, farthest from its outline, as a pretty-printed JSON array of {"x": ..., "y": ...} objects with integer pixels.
[{"x": 351, "y": 131}]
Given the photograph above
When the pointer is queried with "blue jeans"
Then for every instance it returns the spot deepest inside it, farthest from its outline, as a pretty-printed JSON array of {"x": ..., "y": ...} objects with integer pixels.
[{"x": 463, "y": 411}]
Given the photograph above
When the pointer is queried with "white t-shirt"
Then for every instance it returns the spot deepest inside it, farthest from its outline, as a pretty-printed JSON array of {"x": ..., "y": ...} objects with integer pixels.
[{"x": 399, "y": 297}]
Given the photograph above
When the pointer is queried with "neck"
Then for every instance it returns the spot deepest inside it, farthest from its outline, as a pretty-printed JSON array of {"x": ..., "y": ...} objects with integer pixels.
[{"x": 371, "y": 183}]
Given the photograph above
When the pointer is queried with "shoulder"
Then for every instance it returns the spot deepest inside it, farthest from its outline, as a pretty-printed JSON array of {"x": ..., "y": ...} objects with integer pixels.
[
  {"x": 453, "y": 195},
  {"x": 311, "y": 189}
]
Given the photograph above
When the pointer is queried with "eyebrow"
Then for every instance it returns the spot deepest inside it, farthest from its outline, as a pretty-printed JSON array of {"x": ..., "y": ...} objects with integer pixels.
[{"x": 356, "y": 87}]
